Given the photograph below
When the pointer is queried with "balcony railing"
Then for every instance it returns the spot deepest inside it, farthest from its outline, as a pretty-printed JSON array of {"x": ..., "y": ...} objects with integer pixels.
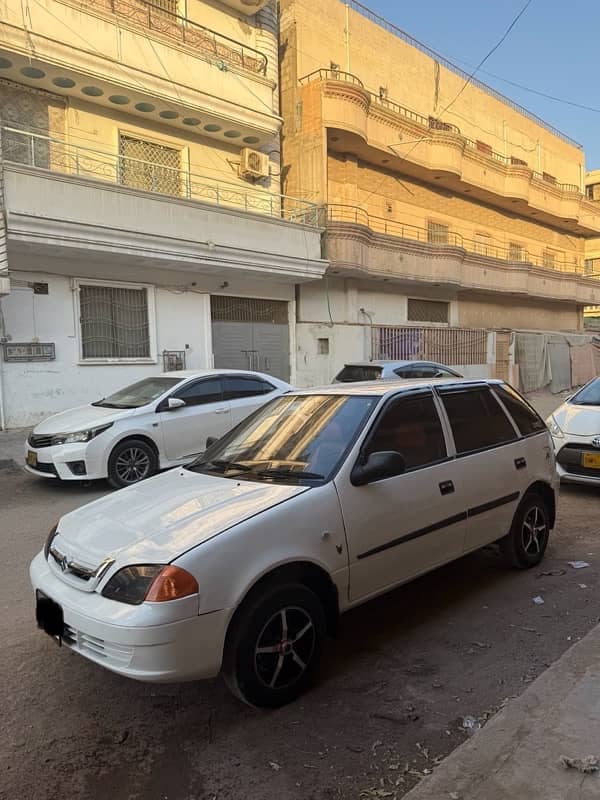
[
  {"x": 181, "y": 30},
  {"x": 42, "y": 152},
  {"x": 433, "y": 123},
  {"x": 487, "y": 249}
]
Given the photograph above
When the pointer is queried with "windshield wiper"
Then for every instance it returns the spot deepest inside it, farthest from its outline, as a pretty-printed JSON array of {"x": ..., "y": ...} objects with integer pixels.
[
  {"x": 278, "y": 472},
  {"x": 102, "y": 404},
  {"x": 225, "y": 465}
]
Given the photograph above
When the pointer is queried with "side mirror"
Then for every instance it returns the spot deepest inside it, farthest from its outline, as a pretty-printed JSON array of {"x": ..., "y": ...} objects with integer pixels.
[
  {"x": 210, "y": 440},
  {"x": 174, "y": 403},
  {"x": 378, "y": 467}
]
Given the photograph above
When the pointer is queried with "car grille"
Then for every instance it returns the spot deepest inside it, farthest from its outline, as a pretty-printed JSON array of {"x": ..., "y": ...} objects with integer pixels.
[
  {"x": 39, "y": 440},
  {"x": 49, "y": 468},
  {"x": 569, "y": 457},
  {"x": 99, "y": 649}
]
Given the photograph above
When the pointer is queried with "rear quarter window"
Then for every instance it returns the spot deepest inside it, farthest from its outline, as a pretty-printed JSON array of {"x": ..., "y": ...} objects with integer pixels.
[
  {"x": 526, "y": 419},
  {"x": 352, "y": 373},
  {"x": 477, "y": 419}
]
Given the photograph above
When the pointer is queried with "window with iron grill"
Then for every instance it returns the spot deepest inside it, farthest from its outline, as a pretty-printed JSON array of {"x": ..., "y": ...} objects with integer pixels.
[
  {"x": 248, "y": 309},
  {"x": 149, "y": 166},
  {"x": 114, "y": 322},
  {"x": 164, "y": 5},
  {"x": 483, "y": 243},
  {"x": 516, "y": 252},
  {"x": 549, "y": 259},
  {"x": 437, "y": 233},
  {"x": 428, "y": 311}
]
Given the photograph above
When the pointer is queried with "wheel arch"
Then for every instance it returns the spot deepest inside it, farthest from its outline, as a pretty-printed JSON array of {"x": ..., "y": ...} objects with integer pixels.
[
  {"x": 133, "y": 436},
  {"x": 306, "y": 573},
  {"x": 547, "y": 493}
]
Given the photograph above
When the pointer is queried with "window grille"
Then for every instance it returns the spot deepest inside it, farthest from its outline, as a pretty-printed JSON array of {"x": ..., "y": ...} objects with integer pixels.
[
  {"x": 248, "y": 309},
  {"x": 516, "y": 252},
  {"x": 428, "y": 311},
  {"x": 437, "y": 233},
  {"x": 149, "y": 166},
  {"x": 114, "y": 322}
]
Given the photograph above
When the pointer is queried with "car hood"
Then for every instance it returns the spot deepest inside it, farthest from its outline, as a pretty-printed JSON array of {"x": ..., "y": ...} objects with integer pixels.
[
  {"x": 157, "y": 520},
  {"x": 81, "y": 418},
  {"x": 578, "y": 420}
]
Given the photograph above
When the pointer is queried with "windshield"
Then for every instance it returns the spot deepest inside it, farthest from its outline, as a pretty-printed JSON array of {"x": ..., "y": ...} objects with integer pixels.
[
  {"x": 359, "y": 372},
  {"x": 138, "y": 394},
  {"x": 589, "y": 395},
  {"x": 298, "y": 438}
]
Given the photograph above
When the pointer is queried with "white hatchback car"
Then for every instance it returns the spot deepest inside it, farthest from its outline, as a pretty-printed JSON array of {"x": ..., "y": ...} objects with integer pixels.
[
  {"x": 575, "y": 429},
  {"x": 156, "y": 423},
  {"x": 242, "y": 561}
]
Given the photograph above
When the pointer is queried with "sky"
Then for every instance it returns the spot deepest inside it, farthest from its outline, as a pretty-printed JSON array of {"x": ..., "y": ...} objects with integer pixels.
[{"x": 553, "y": 49}]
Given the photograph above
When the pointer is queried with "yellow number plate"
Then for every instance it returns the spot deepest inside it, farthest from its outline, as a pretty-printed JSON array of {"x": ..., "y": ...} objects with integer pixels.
[
  {"x": 591, "y": 460},
  {"x": 32, "y": 458}
]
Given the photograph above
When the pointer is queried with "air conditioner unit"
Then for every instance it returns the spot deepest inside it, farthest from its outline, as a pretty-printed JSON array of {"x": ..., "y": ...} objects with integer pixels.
[{"x": 254, "y": 164}]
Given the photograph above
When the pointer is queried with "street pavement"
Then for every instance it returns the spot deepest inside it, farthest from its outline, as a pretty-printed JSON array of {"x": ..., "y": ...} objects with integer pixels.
[{"x": 404, "y": 677}]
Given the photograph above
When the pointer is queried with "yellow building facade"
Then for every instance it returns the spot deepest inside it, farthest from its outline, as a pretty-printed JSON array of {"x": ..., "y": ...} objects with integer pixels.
[
  {"x": 140, "y": 179},
  {"x": 469, "y": 208}
]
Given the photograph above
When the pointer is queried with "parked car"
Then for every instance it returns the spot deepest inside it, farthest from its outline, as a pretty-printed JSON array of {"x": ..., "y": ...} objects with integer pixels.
[
  {"x": 391, "y": 370},
  {"x": 575, "y": 429},
  {"x": 242, "y": 561},
  {"x": 156, "y": 423}
]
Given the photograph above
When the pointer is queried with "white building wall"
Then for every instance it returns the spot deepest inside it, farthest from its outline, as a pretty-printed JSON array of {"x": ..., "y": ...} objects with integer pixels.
[
  {"x": 33, "y": 390},
  {"x": 342, "y": 312}
]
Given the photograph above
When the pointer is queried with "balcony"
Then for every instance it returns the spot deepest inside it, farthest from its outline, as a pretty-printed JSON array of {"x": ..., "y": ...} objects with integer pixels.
[
  {"x": 73, "y": 202},
  {"x": 359, "y": 244},
  {"x": 431, "y": 149},
  {"x": 133, "y": 56}
]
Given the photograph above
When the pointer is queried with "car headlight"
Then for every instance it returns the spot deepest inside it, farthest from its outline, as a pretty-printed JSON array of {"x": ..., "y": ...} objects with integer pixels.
[
  {"x": 79, "y": 436},
  {"x": 154, "y": 583},
  {"x": 49, "y": 540},
  {"x": 554, "y": 427}
]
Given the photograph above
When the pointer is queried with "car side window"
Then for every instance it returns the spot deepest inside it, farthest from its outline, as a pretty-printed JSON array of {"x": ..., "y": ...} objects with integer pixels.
[
  {"x": 527, "y": 420},
  {"x": 477, "y": 419},
  {"x": 439, "y": 372},
  {"x": 404, "y": 372},
  {"x": 238, "y": 387},
  {"x": 412, "y": 427},
  {"x": 197, "y": 393}
]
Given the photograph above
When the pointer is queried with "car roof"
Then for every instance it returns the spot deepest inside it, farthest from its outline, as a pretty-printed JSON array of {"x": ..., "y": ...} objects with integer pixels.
[
  {"x": 390, "y": 363},
  {"x": 380, "y": 388},
  {"x": 184, "y": 374}
]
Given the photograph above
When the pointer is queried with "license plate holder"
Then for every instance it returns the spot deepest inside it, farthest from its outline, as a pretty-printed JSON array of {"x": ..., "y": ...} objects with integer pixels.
[
  {"x": 31, "y": 459},
  {"x": 590, "y": 460},
  {"x": 49, "y": 616}
]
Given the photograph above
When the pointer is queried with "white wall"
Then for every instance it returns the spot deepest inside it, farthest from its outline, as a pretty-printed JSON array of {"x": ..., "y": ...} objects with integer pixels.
[{"x": 32, "y": 391}]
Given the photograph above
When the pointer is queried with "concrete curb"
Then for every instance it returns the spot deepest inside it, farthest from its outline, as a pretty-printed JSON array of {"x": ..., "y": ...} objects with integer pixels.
[{"x": 516, "y": 755}]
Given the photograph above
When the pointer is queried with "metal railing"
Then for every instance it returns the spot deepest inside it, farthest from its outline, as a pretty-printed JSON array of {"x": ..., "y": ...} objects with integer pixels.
[
  {"x": 181, "y": 29},
  {"x": 456, "y": 346},
  {"x": 43, "y": 152},
  {"x": 450, "y": 239},
  {"x": 332, "y": 75}
]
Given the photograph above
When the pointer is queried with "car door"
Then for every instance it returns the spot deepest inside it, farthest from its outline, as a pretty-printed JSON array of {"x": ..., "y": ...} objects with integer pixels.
[
  {"x": 489, "y": 457},
  {"x": 245, "y": 393},
  {"x": 405, "y": 525},
  {"x": 205, "y": 413}
]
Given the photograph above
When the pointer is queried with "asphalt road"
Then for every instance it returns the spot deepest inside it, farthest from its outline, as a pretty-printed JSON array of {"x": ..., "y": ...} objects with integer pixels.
[{"x": 394, "y": 690}]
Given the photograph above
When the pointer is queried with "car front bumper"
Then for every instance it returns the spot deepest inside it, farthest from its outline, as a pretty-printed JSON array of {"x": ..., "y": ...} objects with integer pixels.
[
  {"x": 54, "y": 461},
  {"x": 570, "y": 454},
  {"x": 186, "y": 649}
]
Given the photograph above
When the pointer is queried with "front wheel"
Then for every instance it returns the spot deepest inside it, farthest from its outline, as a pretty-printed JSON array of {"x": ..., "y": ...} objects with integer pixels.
[
  {"x": 274, "y": 646},
  {"x": 131, "y": 461},
  {"x": 525, "y": 545}
]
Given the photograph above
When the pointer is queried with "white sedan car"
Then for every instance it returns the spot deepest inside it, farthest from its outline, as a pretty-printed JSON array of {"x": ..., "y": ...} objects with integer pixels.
[
  {"x": 575, "y": 429},
  {"x": 159, "y": 422},
  {"x": 242, "y": 561}
]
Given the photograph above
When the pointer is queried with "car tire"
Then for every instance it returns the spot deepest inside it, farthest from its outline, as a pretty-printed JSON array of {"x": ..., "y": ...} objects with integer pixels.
[
  {"x": 525, "y": 545},
  {"x": 274, "y": 645},
  {"x": 132, "y": 460}
]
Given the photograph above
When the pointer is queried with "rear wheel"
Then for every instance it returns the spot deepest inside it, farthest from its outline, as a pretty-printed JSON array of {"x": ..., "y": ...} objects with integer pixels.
[
  {"x": 131, "y": 461},
  {"x": 525, "y": 545},
  {"x": 274, "y": 646}
]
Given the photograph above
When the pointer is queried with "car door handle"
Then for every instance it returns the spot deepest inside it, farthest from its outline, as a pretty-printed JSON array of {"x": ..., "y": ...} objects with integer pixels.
[
  {"x": 221, "y": 410},
  {"x": 446, "y": 487},
  {"x": 520, "y": 463}
]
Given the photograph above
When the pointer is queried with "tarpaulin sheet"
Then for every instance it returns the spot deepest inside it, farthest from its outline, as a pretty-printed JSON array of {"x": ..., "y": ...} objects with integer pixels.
[
  {"x": 560, "y": 364},
  {"x": 583, "y": 368},
  {"x": 532, "y": 357}
]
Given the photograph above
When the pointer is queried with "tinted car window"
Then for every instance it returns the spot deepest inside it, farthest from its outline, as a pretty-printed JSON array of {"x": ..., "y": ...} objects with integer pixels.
[
  {"x": 237, "y": 387},
  {"x": 357, "y": 372},
  {"x": 477, "y": 419},
  {"x": 208, "y": 390},
  {"x": 527, "y": 420},
  {"x": 412, "y": 427},
  {"x": 138, "y": 394}
]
